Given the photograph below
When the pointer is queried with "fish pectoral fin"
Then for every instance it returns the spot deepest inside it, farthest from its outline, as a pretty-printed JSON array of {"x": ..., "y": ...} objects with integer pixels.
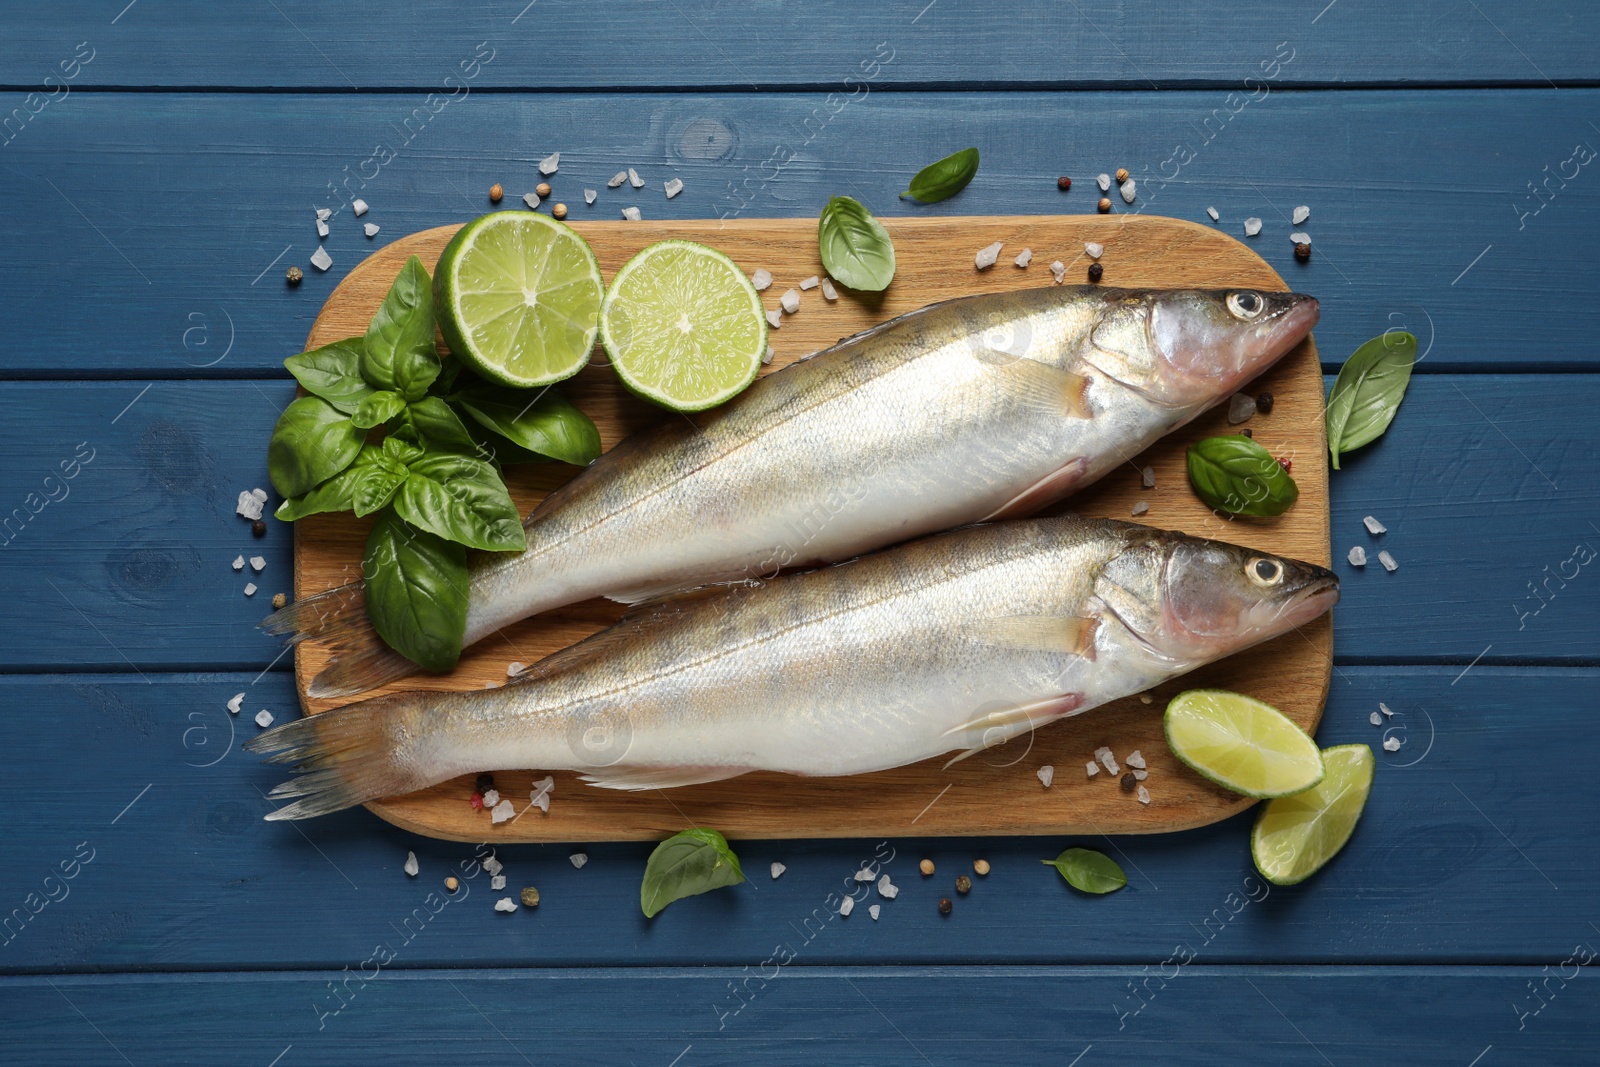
[
  {"x": 1072, "y": 635},
  {"x": 625, "y": 777},
  {"x": 1047, "y": 490},
  {"x": 1042, "y": 385},
  {"x": 648, "y": 595},
  {"x": 1009, "y": 720}
]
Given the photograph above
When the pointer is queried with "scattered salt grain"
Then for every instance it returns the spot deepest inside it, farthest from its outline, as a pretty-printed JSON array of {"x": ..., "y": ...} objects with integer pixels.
[
  {"x": 1301, "y": 213},
  {"x": 1047, "y": 774},
  {"x": 249, "y": 505},
  {"x": 1105, "y": 183},
  {"x": 790, "y": 300},
  {"x": 1358, "y": 556},
  {"x": 1385, "y": 709},
  {"x": 514, "y": 668},
  {"x": 874, "y": 911},
  {"x": 1140, "y": 776},
  {"x": 1148, "y": 477},
  {"x": 1135, "y": 760},
  {"x": 767, "y": 358},
  {"x": 532, "y": 200},
  {"x": 250, "y": 589},
  {"x": 631, "y": 214},
  {"x": 864, "y": 875},
  {"x": 263, "y": 718},
  {"x": 1373, "y": 526},
  {"x": 1144, "y": 795},
  {"x": 673, "y": 187},
  {"x": 1129, "y": 189},
  {"x": 634, "y": 179},
  {"x": 775, "y": 318},
  {"x": 1391, "y": 744},
  {"x": 589, "y": 195},
  {"x": 320, "y": 258},
  {"x": 809, "y": 283},
  {"x": 617, "y": 179},
  {"x": 761, "y": 279},
  {"x": 370, "y": 229},
  {"x": 1091, "y": 769},
  {"x": 505, "y": 904},
  {"x": 579, "y": 859},
  {"x": 322, "y": 228},
  {"x": 540, "y": 797},
  {"x": 777, "y": 869},
  {"x": 1252, "y": 226},
  {"x": 550, "y": 164},
  {"x": 238, "y": 563},
  {"x": 491, "y": 798},
  {"x": 324, "y": 214},
  {"x": 1059, "y": 269},
  {"x": 1108, "y": 761},
  {"x": 887, "y": 889},
  {"x": 829, "y": 293},
  {"x": 1024, "y": 258},
  {"x": 1241, "y": 406},
  {"x": 1375, "y": 719},
  {"x": 233, "y": 704},
  {"x": 258, "y": 563},
  {"x": 987, "y": 255},
  {"x": 846, "y": 906},
  {"x": 493, "y": 865},
  {"x": 411, "y": 867},
  {"x": 1140, "y": 508},
  {"x": 1388, "y": 561},
  {"x": 498, "y": 882},
  {"x": 1213, "y": 213},
  {"x": 1094, "y": 249},
  {"x": 503, "y": 812},
  {"x": 358, "y": 206},
  {"x": 1300, "y": 237}
]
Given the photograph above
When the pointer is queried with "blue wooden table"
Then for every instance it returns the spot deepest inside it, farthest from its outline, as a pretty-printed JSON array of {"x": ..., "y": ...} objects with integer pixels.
[{"x": 159, "y": 164}]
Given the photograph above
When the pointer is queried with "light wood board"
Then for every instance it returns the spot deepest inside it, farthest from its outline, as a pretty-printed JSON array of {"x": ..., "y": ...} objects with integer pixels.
[{"x": 993, "y": 793}]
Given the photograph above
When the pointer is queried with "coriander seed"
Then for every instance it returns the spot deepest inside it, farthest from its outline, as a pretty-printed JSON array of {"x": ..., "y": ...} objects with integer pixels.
[
  {"x": 559, "y": 211},
  {"x": 495, "y": 193},
  {"x": 543, "y": 189},
  {"x": 530, "y": 897},
  {"x": 294, "y": 275},
  {"x": 279, "y": 600},
  {"x": 963, "y": 885},
  {"x": 1104, "y": 205},
  {"x": 926, "y": 867},
  {"x": 982, "y": 867},
  {"x": 451, "y": 884},
  {"x": 1122, "y": 175}
]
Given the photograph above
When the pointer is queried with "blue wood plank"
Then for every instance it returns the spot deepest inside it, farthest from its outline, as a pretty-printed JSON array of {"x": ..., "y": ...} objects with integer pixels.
[
  {"x": 1488, "y": 485},
  {"x": 557, "y": 44},
  {"x": 1477, "y": 846},
  {"x": 807, "y": 1015},
  {"x": 152, "y": 230}
]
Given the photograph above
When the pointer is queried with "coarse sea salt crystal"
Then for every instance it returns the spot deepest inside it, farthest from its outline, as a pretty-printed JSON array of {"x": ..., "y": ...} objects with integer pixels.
[
  {"x": 775, "y": 318},
  {"x": 1300, "y": 238},
  {"x": 258, "y": 563},
  {"x": 1301, "y": 213},
  {"x": 550, "y": 164},
  {"x": 761, "y": 279},
  {"x": 1109, "y": 762},
  {"x": 1357, "y": 556},
  {"x": 865, "y": 875},
  {"x": 589, "y": 195},
  {"x": 1024, "y": 258},
  {"x": 829, "y": 293},
  {"x": 322, "y": 228},
  {"x": 411, "y": 867},
  {"x": 249, "y": 505},
  {"x": 1104, "y": 181},
  {"x": 1059, "y": 269},
  {"x": 1385, "y": 709},
  {"x": 497, "y": 882},
  {"x": 874, "y": 911},
  {"x": 541, "y": 801},
  {"x": 250, "y": 589},
  {"x": 263, "y": 718},
  {"x": 324, "y": 214},
  {"x": 1373, "y": 526},
  {"x": 1135, "y": 760},
  {"x": 515, "y": 667},
  {"x": 846, "y": 906},
  {"x": 503, "y": 812},
  {"x": 1094, "y": 248},
  {"x": 1375, "y": 719},
  {"x": 1252, "y": 226},
  {"x": 810, "y": 283},
  {"x": 1213, "y": 213},
  {"x": 505, "y": 904},
  {"x": 1241, "y": 406},
  {"x": 1140, "y": 508},
  {"x": 1388, "y": 561},
  {"x": 1140, "y": 776},
  {"x": 631, "y": 214},
  {"x": 1129, "y": 189},
  {"x": 233, "y": 704},
  {"x": 887, "y": 889},
  {"x": 238, "y": 563},
  {"x": 987, "y": 255},
  {"x": 493, "y": 865},
  {"x": 1147, "y": 477},
  {"x": 491, "y": 798},
  {"x": 1047, "y": 774},
  {"x": 790, "y": 300},
  {"x": 673, "y": 187},
  {"x": 1091, "y": 769},
  {"x": 777, "y": 869},
  {"x": 320, "y": 258},
  {"x": 259, "y": 494},
  {"x": 358, "y": 206},
  {"x": 579, "y": 859},
  {"x": 634, "y": 179},
  {"x": 767, "y": 358},
  {"x": 370, "y": 229},
  {"x": 532, "y": 200},
  {"x": 617, "y": 179},
  {"x": 1144, "y": 795},
  {"x": 1391, "y": 744}
]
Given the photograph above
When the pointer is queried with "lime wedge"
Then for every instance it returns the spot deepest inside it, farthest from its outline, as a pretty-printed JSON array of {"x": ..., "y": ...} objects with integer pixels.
[
  {"x": 1295, "y": 836},
  {"x": 683, "y": 326},
  {"x": 1241, "y": 743},
  {"x": 518, "y": 298}
]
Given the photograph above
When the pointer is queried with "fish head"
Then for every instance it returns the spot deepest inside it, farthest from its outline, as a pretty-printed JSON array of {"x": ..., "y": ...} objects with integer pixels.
[
  {"x": 1192, "y": 600},
  {"x": 1190, "y": 348}
]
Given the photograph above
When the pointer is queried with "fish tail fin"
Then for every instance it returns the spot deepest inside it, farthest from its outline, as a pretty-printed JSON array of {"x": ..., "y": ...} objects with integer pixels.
[
  {"x": 338, "y": 618},
  {"x": 344, "y": 757}
]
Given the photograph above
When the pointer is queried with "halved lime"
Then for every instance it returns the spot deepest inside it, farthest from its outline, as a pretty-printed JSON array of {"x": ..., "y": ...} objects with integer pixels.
[
  {"x": 1241, "y": 743},
  {"x": 518, "y": 298},
  {"x": 683, "y": 326},
  {"x": 1295, "y": 836}
]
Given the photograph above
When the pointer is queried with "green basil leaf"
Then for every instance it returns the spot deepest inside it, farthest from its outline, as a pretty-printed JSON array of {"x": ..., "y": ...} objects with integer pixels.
[
  {"x": 399, "y": 352},
  {"x": 461, "y": 498},
  {"x": 685, "y": 865},
  {"x": 401, "y": 453},
  {"x": 944, "y": 179},
  {"x": 435, "y": 425},
  {"x": 332, "y": 372},
  {"x": 497, "y": 450},
  {"x": 449, "y": 371},
  {"x": 335, "y": 494},
  {"x": 311, "y": 443},
  {"x": 1234, "y": 474},
  {"x": 416, "y": 592},
  {"x": 377, "y": 409},
  {"x": 375, "y": 486},
  {"x": 546, "y": 422},
  {"x": 1088, "y": 871},
  {"x": 1368, "y": 391},
  {"x": 855, "y": 247}
]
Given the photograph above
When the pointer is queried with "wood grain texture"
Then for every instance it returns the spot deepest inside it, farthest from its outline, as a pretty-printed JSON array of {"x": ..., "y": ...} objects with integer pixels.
[
  {"x": 1139, "y": 43},
  {"x": 986, "y": 795},
  {"x": 194, "y": 204}
]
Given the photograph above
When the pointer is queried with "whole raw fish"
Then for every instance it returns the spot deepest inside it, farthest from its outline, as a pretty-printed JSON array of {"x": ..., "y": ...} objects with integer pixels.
[
  {"x": 984, "y": 407},
  {"x": 953, "y": 643}
]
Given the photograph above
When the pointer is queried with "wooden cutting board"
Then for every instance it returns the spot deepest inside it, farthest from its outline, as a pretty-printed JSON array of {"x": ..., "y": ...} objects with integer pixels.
[{"x": 993, "y": 793}]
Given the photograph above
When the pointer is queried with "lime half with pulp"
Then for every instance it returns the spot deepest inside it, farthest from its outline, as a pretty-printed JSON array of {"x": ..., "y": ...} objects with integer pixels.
[
  {"x": 1241, "y": 743},
  {"x": 518, "y": 298},
  {"x": 683, "y": 326},
  {"x": 1295, "y": 836}
]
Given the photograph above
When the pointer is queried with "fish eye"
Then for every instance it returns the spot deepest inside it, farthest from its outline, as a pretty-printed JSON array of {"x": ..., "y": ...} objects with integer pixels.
[
  {"x": 1264, "y": 572},
  {"x": 1246, "y": 305}
]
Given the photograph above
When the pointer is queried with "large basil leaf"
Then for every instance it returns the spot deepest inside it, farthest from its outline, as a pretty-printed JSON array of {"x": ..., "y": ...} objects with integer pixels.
[
  {"x": 378, "y": 408},
  {"x": 332, "y": 372},
  {"x": 399, "y": 352},
  {"x": 335, "y": 494},
  {"x": 431, "y": 422},
  {"x": 463, "y": 499},
  {"x": 855, "y": 247},
  {"x": 1088, "y": 871},
  {"x": 1234, "y": 474},
  {"x": 416, "y": 592},
  {"x": 311, "y": 443},
  {"x": 546, "y": 423},
  {"x": 497, "y": 449},
  {"x": 1368, "y": 391},
  {"x": 684, "y": 865},
  {"x": 944, "y": 179},
  {"x": 376, "y": 486}
]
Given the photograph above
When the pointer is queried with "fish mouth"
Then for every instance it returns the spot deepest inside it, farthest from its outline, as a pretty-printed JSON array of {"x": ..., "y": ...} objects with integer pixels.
[{"x": 1319, "y": 594}]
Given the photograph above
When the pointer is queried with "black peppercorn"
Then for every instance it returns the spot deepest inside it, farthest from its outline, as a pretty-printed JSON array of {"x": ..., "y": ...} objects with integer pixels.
[
  {"x": 1063, "y": 183},
  {"x": 484, "y": 783},
  {"x": 1129, "y": 782},
  {"x": 1248, "y": 432},
  {"x": 1264, "y": 404},
  {"x": 945, "y": 906},
  {"x": 259, "y": 527},
  {"x": 1096, "y": 272}
]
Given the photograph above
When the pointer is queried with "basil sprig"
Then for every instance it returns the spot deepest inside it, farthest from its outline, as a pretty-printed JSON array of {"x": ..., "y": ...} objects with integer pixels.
[
  {"x": 398, "y": 353},
  {"x": 311, "y": 443},
  {"x": 685, "y": 865},
  {"x": 855, "y": 247},
  {"x": 416, "y": 591},
  {"x": 1368, "y": 391},
  {"x": 1234, "y": 474},
  {"x": 944, "y": 179},
  {"x": 1088, "y": 871}
]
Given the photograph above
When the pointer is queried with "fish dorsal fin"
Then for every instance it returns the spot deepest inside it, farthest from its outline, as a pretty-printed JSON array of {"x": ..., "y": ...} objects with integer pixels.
[
  {"x": 1068, "y": 634},
  {"x": 634, "y": 778},
  {"x": 1049, "y": 388}
]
